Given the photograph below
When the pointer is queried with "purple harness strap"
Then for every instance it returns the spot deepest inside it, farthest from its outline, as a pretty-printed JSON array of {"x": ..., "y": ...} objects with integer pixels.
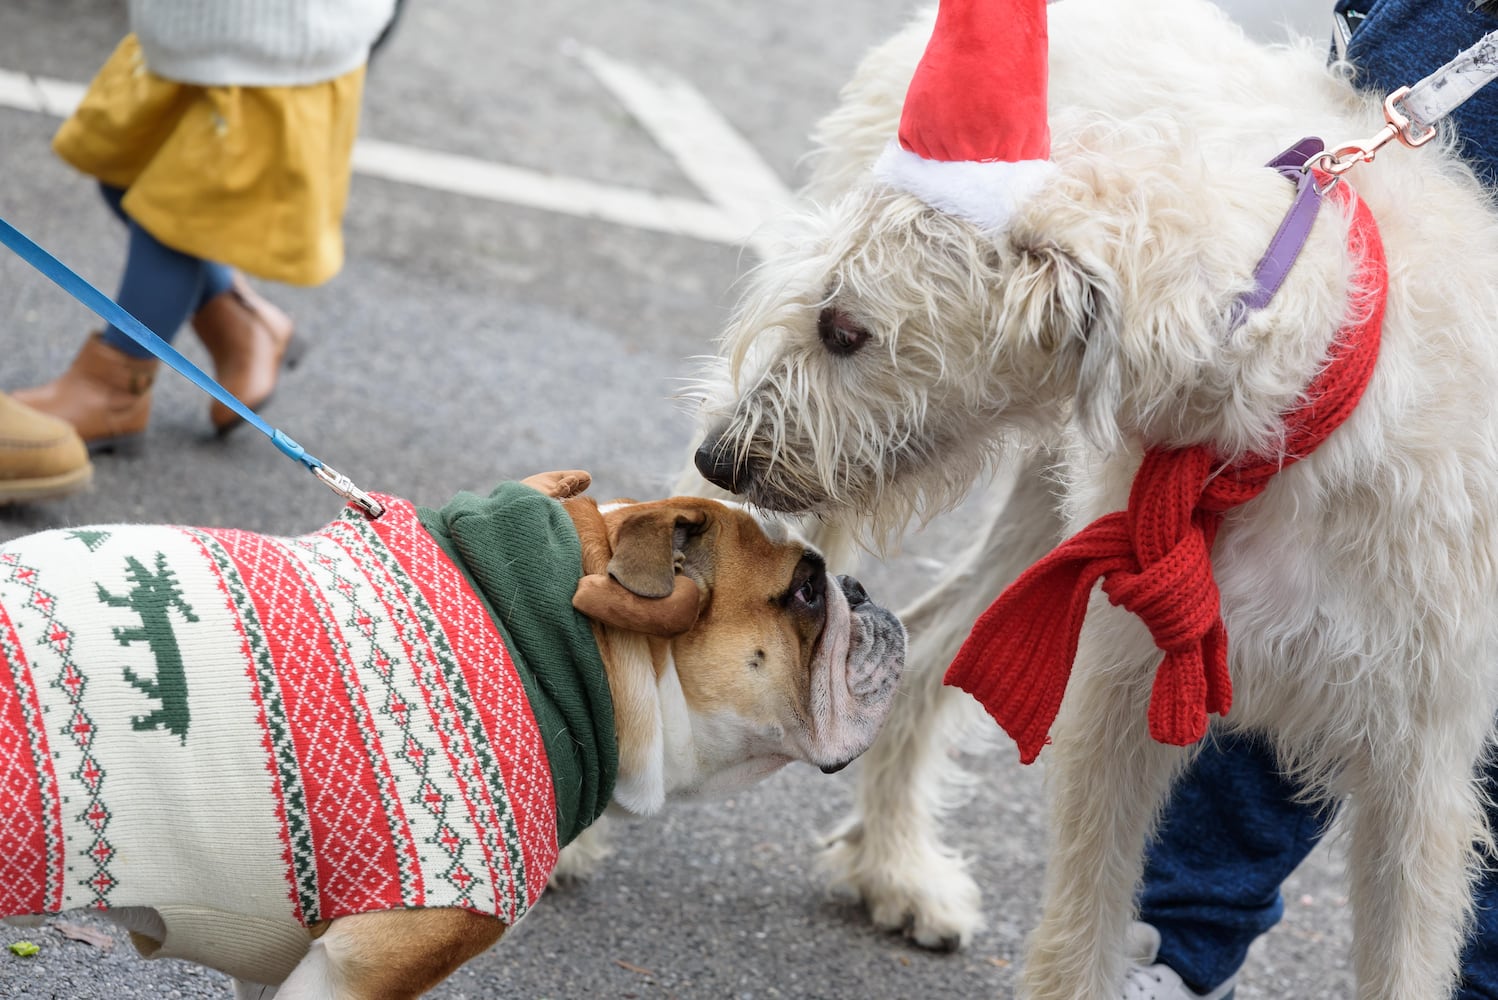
[{"x": 1291, "y": 236}]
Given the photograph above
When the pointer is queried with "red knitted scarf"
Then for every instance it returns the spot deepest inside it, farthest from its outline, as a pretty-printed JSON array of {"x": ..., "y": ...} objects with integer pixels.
[{"x": 1154, "y": 558}]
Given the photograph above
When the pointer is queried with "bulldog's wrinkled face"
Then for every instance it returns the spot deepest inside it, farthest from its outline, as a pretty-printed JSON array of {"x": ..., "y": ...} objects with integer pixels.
[
  {"x": 731, "y": 650},
  {"x": 787, "y": 659}
]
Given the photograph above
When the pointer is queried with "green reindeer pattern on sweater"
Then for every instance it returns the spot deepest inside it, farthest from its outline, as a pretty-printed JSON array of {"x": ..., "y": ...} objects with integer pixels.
[{"x": 153, "y": 597}]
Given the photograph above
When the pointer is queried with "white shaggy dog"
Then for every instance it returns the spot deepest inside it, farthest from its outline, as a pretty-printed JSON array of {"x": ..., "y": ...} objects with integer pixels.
[{"x": 894, "y": 353}]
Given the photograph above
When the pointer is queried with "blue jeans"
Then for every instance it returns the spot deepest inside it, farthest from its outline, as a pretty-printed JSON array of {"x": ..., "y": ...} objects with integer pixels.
[
  {"x": 1230, "y": 835},
  {"x": 161, "y": 287},
  {"x": 1231, "y": 832}
]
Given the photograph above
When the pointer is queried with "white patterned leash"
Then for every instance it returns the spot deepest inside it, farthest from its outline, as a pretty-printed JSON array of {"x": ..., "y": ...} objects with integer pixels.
[{"x": 1411, "y": 113}]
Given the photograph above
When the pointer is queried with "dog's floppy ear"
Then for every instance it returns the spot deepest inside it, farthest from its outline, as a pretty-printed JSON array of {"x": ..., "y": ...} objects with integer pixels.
[
  {"x": 604, "y": 599},
  {"x": 650, "y": 543},
  {"x": 1073, "y": 305},
  {"x": 645, "y": 589}
]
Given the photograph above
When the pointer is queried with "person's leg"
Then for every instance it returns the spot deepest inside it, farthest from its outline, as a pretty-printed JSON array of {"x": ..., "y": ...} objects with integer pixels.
[
  {"x": 105, "y": 393},
  {"x": 246, "y": 336},
  {"x": 217, "y": 279},
  {"x": 1231, "y": 833},
  {"x": 1480, "y": 957},
  {"x": 113, "y": 197},
  {"x": 161, "y": 287}
]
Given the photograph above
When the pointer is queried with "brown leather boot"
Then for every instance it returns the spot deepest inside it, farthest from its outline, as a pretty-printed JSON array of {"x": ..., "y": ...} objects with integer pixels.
[
  {"x": 40, "y": 456},
  {"x": 249, "y": 340},
  {"x": 105, "y": 394}
]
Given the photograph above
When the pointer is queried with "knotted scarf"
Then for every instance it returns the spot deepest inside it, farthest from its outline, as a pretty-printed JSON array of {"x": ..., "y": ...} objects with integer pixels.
[{"x": 1154, "y": 558}]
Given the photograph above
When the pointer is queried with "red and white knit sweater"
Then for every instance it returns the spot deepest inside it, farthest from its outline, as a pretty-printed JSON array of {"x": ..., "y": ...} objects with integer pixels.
[{"x": 251, "y": 734}]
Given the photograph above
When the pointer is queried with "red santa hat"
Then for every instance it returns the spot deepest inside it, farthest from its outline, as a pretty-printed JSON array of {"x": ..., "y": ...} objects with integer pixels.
[{"x": 974, "y": 141}]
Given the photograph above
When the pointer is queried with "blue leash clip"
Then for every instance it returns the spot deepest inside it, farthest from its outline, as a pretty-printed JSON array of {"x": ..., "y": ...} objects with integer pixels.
[{"x": 110, "y": 311}]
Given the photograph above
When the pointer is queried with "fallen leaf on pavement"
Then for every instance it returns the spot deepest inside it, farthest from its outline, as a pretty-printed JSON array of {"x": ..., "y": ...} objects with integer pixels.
[
  {"x": 632, "y": 968},
  {"x": 88, "y": 935}
]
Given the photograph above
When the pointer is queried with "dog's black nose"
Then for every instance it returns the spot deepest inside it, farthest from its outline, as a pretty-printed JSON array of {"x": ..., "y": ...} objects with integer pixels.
[
  {"x": 719, "y": 466},
  {"x": 853, "y": 591}
]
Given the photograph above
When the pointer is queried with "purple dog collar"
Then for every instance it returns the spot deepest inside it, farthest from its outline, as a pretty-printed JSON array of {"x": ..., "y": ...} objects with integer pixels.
[{"x": 1291, "y": 236}]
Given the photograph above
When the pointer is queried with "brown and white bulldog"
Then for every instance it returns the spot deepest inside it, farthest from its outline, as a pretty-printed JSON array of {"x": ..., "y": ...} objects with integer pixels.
[{"x": 726, "y": 649}]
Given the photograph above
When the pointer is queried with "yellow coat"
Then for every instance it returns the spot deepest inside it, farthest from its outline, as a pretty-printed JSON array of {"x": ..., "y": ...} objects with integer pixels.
[{"x": 253, "y": 177}]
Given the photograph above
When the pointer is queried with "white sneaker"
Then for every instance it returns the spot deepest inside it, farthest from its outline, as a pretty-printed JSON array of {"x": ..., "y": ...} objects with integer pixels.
[
  {"x": 1147, "y": 979},
  {"x": 1160, "y": 982}
]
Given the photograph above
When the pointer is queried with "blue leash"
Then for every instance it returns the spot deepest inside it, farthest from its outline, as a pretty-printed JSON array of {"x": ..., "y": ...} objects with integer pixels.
[{"x": 110, "y": 311}]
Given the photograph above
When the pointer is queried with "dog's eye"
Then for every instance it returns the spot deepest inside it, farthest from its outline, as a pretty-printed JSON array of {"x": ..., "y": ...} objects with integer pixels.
[
  {"x": 839, "y": 333},
  {"x": 808, "y": 583}
]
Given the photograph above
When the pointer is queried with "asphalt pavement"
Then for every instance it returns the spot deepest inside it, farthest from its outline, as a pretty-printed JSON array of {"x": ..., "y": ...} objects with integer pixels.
[{"x": 534, "y": 301}]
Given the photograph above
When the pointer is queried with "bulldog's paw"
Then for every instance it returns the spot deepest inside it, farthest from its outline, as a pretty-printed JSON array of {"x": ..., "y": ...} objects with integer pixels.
[
  {"x": 581, "y": 859},
  {"x": 559, "y": 485},
  {"x": 914, "y": 885}
]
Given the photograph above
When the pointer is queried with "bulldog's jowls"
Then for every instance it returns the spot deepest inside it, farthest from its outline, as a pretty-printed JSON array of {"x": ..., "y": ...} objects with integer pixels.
[{"x": 340, "y": 765}]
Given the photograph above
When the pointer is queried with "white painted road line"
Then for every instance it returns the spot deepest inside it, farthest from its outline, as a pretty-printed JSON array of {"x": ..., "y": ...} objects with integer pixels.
[
  {"x": 711, "y": 153},
  {"x": 743, "y": 191},
  {"x": 37, "y": 93},
  {"x": 497, "y": 182}
]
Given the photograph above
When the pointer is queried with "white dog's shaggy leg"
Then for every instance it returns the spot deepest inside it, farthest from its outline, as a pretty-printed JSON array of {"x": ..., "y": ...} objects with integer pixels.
[
  {"x": 581, "y": 859},
  {"x": 1411, "y": 858},
  {"x": 889, "y": 851},
  {"x": 1108, "y": 781}
]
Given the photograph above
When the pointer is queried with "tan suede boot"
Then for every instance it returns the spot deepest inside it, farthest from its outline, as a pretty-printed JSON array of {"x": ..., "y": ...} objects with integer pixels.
[
  {"x": 105, "y": 394},
  {"x": 41, "y": 457},
  {"x": 249, "y": 340}
]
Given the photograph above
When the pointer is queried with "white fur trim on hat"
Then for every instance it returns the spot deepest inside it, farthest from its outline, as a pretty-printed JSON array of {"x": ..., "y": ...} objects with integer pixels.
[{"x": 986, "y": 194}]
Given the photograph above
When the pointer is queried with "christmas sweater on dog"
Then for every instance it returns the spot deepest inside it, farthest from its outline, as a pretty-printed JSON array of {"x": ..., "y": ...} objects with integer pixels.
[{"x": 252, "y": 734}]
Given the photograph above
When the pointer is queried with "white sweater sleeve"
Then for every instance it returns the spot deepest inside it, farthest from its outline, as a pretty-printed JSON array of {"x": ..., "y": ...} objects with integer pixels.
[{"x": 257, "y": 43}]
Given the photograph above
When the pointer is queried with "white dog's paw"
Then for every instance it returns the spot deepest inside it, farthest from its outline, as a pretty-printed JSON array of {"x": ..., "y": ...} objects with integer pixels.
[
  {"x": 921, "y": 889},
  {"x": 581, "y": 859}
]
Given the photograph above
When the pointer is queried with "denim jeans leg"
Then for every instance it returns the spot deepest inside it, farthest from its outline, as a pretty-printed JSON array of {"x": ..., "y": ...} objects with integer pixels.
[
  {"x": 160, "y": 287},
  {"x": 1480, "y": 957},
  {"x": 1231, "y": 833}
]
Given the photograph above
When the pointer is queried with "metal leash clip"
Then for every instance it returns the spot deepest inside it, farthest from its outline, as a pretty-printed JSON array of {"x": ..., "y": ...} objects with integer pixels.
[
  {"x": 344, "y": 487},
  {"x": 1397, "y": 125}
]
